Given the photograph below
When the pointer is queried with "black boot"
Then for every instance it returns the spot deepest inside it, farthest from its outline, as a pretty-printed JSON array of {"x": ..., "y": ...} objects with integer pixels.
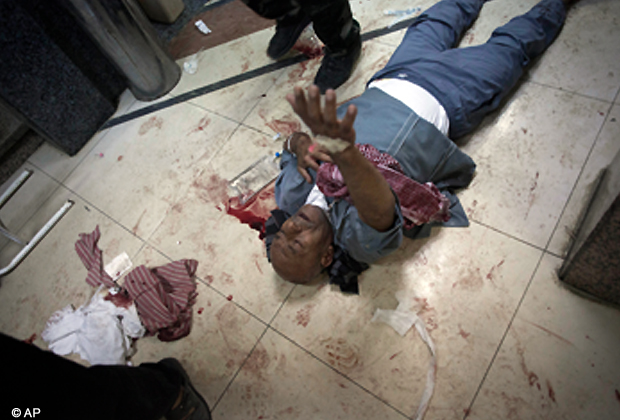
[
  {"x": 287, "y": 32},
  {"x": 337, "y": 66}
]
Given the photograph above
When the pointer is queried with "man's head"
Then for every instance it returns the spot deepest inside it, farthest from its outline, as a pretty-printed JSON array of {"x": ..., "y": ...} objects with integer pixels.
[{"x": 303, "y": 246}]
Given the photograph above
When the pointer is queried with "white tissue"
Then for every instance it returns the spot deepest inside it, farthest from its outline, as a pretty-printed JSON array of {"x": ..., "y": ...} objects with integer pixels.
[
  {"x": 100, "y": 332},
  {"x": 402, "y": 319},
  {"x": 202, "y": 27}
]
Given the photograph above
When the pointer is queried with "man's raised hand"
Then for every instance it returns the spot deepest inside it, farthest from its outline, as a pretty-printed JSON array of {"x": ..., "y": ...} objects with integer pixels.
[{"x": 323, "y": 121}]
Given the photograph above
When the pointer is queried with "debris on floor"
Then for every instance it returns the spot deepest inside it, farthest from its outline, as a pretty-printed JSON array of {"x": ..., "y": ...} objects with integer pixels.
[
  {"x": 308, "y": 43},
  {"x": 202, "y": 27},
  {"x": 402, "y": 319},
  {"x": 164, "y": 296},
  {"x": 118, "y": 266},
  {"x": 99, "y": 331}
]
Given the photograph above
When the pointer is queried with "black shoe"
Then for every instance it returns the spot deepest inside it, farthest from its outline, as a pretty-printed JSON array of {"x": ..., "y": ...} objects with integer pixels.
[
  {"x": 192, "y": 406},
  {"x": 286, "y": 36},
  {"x": 336, "y": 68}
]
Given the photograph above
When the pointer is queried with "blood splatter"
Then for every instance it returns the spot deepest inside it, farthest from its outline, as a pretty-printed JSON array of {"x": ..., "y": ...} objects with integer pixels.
[
  {"x": 213, "y": 191},
  {"x": 256, "y": 211},
  {"x": 153, "y": 122},
  {"x": 551, "y": 391},
  {"x": 120, "y": 299},
  {"x": 559, "y": 337},
  {"x": 258, "y": 267},
  {"x": 535, "y": 183},
  {"x": 229, "y": 297},
  {"x": 463, "y": 333},
  {"x": 135, "y": 228},
  {"x": 342, "y": 355},
  {"x": 303, "y": 315},
  {"x": 394, "y": 355},
  {"x": 227, "y": 278},
  {"x": 33, "y": 337},
  {"x": 531, "y": 376},
  {"x": 200, "y": 310},
  {"x": 310, "y": 51},
  {"x": 202, "y": 124},
  {"x": 258, "y": 361},
  {"x": 120, "y": 158},
  {"x": 283, "y": 126}
]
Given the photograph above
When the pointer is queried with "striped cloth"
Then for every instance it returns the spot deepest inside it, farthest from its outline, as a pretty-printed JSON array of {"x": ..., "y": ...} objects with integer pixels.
[
  {"x": 164, "y": 295},
  {"x": 419, "y": 203},
  {"x": 90, "y": 254}
]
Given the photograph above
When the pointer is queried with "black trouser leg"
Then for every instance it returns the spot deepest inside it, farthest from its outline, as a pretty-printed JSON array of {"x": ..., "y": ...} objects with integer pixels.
[{"x": 62, "y": 389}]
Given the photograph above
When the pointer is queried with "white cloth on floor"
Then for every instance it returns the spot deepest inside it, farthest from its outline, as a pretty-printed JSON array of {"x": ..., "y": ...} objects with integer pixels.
[
  {"x": 100, "y": 332},
  {"x": 402, "y": 319}
]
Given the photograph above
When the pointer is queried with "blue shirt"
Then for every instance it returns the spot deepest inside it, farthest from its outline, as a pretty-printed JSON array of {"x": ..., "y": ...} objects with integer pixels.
[{"x": 425, "y": 154}]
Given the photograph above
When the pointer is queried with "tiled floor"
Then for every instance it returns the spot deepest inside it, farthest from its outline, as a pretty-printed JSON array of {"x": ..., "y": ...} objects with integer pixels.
[{"x": 512, "y": 342}]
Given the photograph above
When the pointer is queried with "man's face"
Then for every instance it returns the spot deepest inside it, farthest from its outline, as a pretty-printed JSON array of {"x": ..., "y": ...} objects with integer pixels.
[{"x": 302, "y": 247}]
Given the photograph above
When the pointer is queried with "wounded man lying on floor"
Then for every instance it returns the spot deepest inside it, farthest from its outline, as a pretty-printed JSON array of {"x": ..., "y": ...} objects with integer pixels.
[{"x": 381, "y": 165}]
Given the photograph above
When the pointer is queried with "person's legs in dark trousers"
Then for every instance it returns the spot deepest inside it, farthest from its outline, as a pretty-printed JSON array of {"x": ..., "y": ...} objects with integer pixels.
[
  {"x": 334, "y": 25},
  {"x": 437, "y": 29},
  {"x": 471, "y": 82},
  {"x": 63, "y": 389}
]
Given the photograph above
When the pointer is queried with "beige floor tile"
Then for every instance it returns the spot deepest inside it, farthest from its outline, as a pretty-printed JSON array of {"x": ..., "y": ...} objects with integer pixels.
[
  {"x": 281, "y": 381},
  {"x": 142, "y": 167},
  {"x": 273, "y": 114},
  {"x": 606, "y": 147},
  {"x": 229, "y": 60},
  {"x": 238, "y": 100},
  {"x": 233, "y": 259},
  {"x": 226, "y": 60},
  {"x": 220, "y": 340},
  {"x": 27, "y": 200},
  {"x": 529, "y": 155},
  {"x": 588, "y": 47},
  {"x": 466, "y": 304},
  {"x": 53, "y": 276},
  {"x": 57, "y": 164},
  {"x": 559, "y": 360}
]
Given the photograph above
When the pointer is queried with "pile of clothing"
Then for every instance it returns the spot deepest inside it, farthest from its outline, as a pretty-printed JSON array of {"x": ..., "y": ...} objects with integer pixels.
[{"x": 151, "y": 301}]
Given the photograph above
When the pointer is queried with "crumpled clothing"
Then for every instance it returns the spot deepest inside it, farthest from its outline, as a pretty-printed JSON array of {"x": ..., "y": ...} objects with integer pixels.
[
  {"x": 100, "y": 332},
  {"x": 164, "y": 295},
  {"x": 419, "y": 203}
]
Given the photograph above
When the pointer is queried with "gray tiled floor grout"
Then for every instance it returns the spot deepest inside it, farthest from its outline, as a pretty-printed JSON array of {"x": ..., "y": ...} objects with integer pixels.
[
  {"x": 501, "y": 341},
  {"x": 585, "y": 163}
]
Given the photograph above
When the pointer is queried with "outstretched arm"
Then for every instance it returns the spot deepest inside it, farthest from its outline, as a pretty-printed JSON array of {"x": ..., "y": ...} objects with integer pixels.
[{"x": 369, "y": 191}]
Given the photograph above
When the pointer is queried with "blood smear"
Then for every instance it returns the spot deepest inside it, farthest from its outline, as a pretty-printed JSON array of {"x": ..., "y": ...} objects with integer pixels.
[
  {"x": 256, "y": 211},
  {"x": 120, "y": 299}
]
